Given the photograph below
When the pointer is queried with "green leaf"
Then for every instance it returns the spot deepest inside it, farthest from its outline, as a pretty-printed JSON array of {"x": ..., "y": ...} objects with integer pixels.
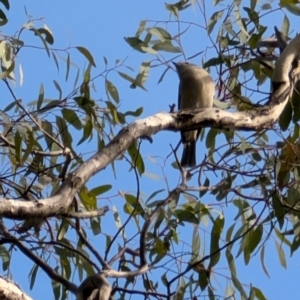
[
  {"x": 139, "y": 45},
  {"x": 258, "y": 293},
  {"x": 55, "y": 60},
  {"x": 278, "y": 209},
  {"x": 30, "y": 143},
  {"x": 76, "y": 79},
  {"x": 10, "y": 106},
  {"x": 38, "y": 33},
  {"x": 253, "y": 16},
  {"x": 101, "y": 189},
  {"x": 47, "y": 126},
  {"x": 87, "y": 199},
  {"x": 163, "y": 75},
  {"x": 117, "y": 117},
  {"x": 32, "y": 275},
  {"x": 286, "y": 117},
  {"x": 118, "y": 224},
  {"x": 143, "y": 75},
  {"x": 176, "y": 7},
  {"x": 160, "y": 33},
  {"x": 87, "y": 131},
  {"x": 48, "y": 36},
  {"x": 18, "y": 147},
  {"x": 95, "y": 225},
  {"x": 71, "y": 117},
  {"x": 255, "y": 238},
  {"x": 153, "y": 195},
  {"x": 285, "y": 27},
  {"x": 6, "y": 71},
  {"x": 166, "y": 46},
  {"x": 57, "y": 86},
  {"x": 41, "y": 97},
  {"x": 68, "y": 66},
  {"x": 105, "y": 61},
  {"x": 195, "y": 243},
  {"x": 5, "y": 3},
  {"x": 205, "y": 184},
  {"x": 112, "y": 90},
  {"x": 64, "y": 132},
  {"x": 234, "y": 277},
  {"x": 253, "y": 4},
  {"x": 63, "y": 229},
  {"x": 127, "y": 77},
  {"x": 238, "y": 19},
  {"x": 252, "y": 239},
  {"x": 87, "y": 55},
  {"x": 141, "y": 28},
  {"x": 203, "y": 277},
  {"x": 4, "y": 254},
  {"x": 214, "y": 62},
  {"x": 281, "y": 254},
  {"x": 132, "y": 202},
  {"x": 185, "y": 215},
  {"x": 50, "y": 105},
  {"x": 3, "y": 18},
  {"x": 135, "y": 113},
  {"x": 262, "y": 260},
  {"x": 56, "y": 287},
  {"x": 292, "y": 8},
  {"x": 214, "y": 241},
  {"x": 213, "y": 20},
  {"x": 16, "y": 42},
  {"x": 136, "y": 158},
  {"x": 266, "y": 6}
]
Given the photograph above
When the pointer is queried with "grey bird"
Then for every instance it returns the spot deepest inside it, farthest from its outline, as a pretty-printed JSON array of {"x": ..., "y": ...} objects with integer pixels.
[{"x": 196, "y": 90}]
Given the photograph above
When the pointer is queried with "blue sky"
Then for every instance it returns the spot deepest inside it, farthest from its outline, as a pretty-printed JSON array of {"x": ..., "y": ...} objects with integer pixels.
[{"x": 101, "y": 26}]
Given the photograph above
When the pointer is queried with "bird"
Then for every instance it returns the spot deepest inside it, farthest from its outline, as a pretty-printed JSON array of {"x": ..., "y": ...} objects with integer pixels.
[{"x": 196, "y": 90}]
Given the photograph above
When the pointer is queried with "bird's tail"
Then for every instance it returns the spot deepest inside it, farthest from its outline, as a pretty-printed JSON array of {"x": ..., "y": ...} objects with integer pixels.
[{"x": 188, "y": 158}]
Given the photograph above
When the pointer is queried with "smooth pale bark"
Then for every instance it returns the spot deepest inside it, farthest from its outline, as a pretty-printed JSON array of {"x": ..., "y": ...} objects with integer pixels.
[{"x": 10, "y": 291}]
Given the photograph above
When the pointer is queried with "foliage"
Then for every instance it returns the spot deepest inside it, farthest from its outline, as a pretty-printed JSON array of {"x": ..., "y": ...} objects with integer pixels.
[{"x": 254, "y": 175}]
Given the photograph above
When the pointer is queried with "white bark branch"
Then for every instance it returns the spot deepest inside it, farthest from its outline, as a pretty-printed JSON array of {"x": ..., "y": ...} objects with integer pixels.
[{"x": 10, "y": 291}]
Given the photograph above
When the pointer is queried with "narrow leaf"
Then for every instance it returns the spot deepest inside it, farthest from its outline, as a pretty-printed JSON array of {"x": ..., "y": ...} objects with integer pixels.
[{"x": 87, "y": 55}]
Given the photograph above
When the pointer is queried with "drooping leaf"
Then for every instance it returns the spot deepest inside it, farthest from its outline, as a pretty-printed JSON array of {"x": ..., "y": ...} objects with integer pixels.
[
  {"x": 162, "y": 34},
  {"x": 57, "y": 86},
  {"x": 214, "y": 241},
  {"x": 87, "y": 131},
  {"x": 141, "y": 28},
  {"x": 213, "y": 20},
  {"x": 33, "y": 273},
  {"x": 101, "y": 189},
  {"x": 39, "y": 34},
  {"x": 281, "y": 254},
  {"x": 286, "y": 117},
  {"x": 5, "y": 3},
  {"x": 87, "y": 55},
  {"x": 136, "y": 158},
  {"x": 112, "y": 90},
  {"x": 3, "y": 18},
  {"x": 166, "y": 46},
  {"x": 71, "y": 117},
  {"x": 40, "y": 97}
]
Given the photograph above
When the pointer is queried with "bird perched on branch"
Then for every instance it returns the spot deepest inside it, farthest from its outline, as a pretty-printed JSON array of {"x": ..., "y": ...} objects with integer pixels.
[{"x": 196, "y": 90}]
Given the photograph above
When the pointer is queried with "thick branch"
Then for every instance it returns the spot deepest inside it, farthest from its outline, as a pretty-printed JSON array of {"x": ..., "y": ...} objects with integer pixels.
[{"x": 10, "y": 291}]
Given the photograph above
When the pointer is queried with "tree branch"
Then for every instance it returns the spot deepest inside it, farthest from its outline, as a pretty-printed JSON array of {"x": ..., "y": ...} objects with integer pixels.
[{"x": 256, "y": 119}]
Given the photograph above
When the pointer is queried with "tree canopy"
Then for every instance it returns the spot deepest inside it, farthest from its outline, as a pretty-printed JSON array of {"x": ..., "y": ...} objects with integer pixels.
[{"x": 92, "y": 191}]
